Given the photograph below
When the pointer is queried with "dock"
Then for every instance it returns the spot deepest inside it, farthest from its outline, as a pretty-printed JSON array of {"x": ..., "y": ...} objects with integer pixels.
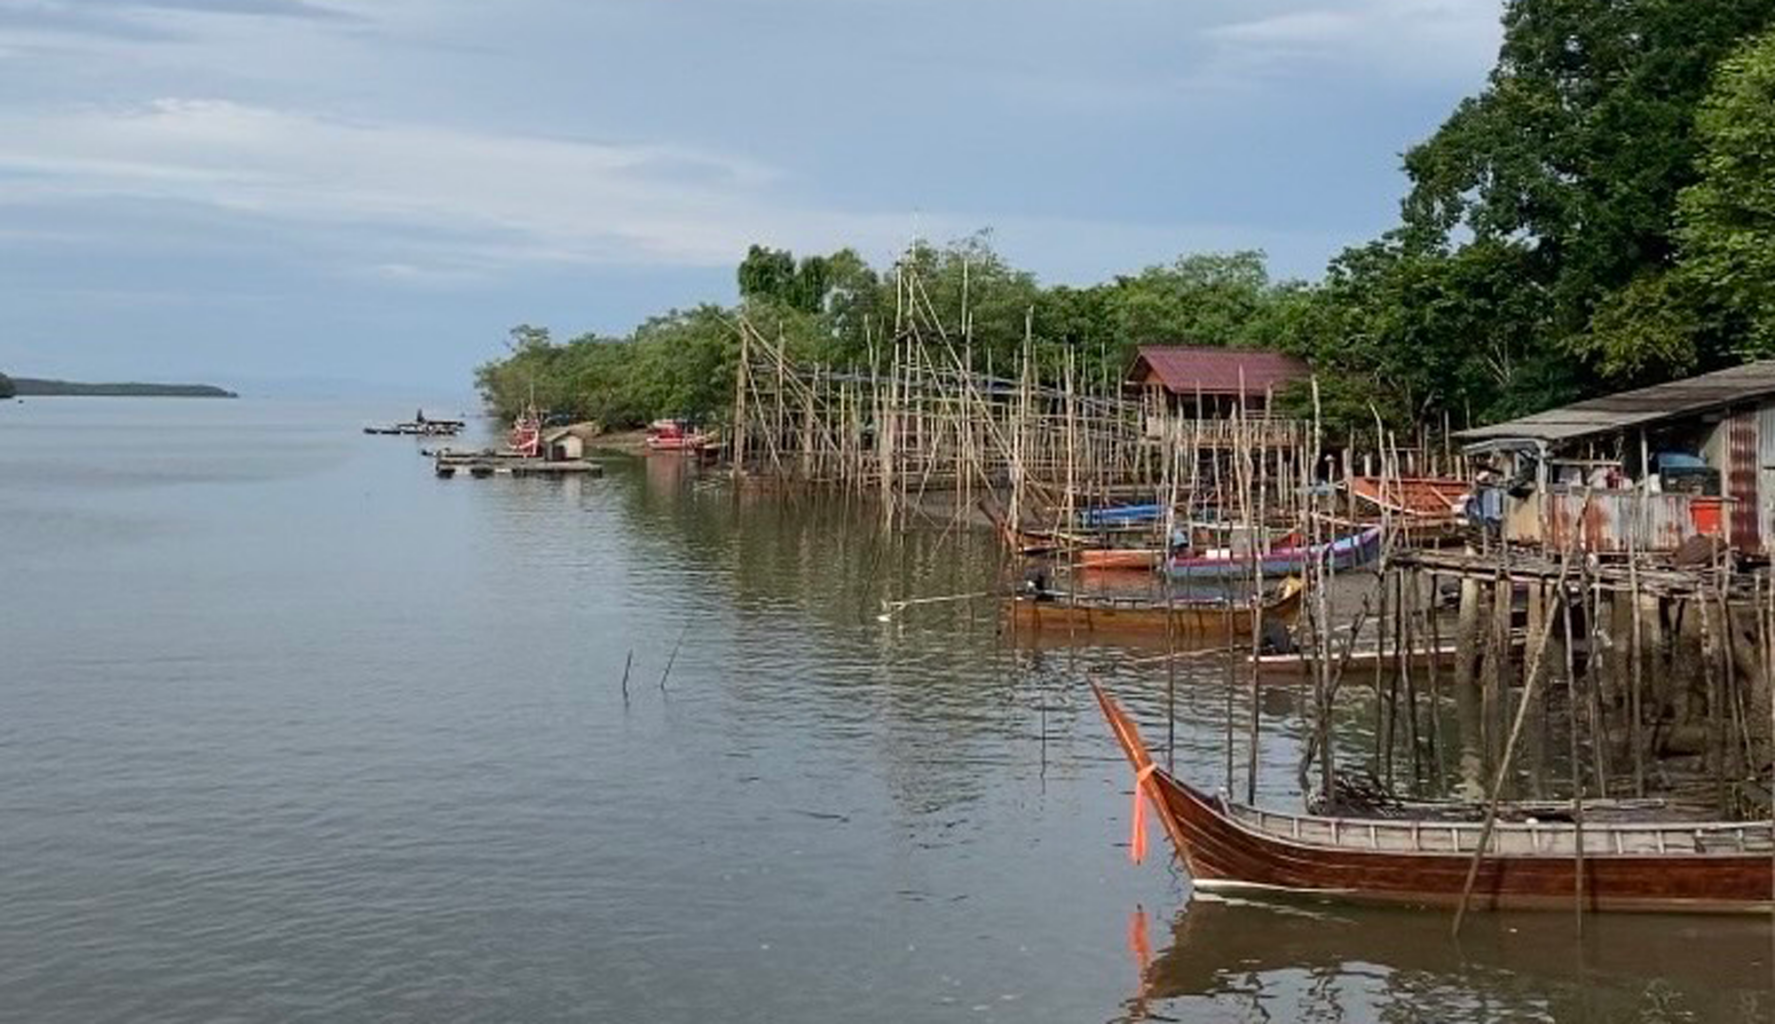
[{"x": 481, "y": 466}]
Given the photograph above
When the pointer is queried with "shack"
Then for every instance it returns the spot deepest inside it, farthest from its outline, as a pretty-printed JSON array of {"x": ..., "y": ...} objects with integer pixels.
[
  {"x": 1211, "y": 383},
  {"x": 1641, "y": 470},
  {"x": 563, "y": 445}
]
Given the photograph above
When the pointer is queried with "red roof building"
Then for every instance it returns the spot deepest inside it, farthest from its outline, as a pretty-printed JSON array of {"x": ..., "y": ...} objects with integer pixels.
[{"x": 1219, "y": 376}]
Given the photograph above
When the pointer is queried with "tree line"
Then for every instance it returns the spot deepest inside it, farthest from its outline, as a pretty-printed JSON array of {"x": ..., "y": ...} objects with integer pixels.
[{"x": 1600, "y": 215}]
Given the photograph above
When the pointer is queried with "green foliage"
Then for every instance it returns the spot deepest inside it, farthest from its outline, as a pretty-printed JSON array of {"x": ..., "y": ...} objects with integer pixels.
[
  {"x": 1198, "y": 300},
  {"x": 1727, "y": 218},
  {"x": 1434, "y": 333},
  {"x": 1576, "y": 152},
  {"x": 6, "y": 388},
  {"x": 773, "y": 275},
  {"x": 838, "y": 311},
  {"x": 678, "y": 364},
  {"x": 999, "y": 297}
]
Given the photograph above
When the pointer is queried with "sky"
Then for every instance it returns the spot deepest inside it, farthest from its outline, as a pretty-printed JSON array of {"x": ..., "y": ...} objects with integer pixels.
[{"x": 281, "y": 194}]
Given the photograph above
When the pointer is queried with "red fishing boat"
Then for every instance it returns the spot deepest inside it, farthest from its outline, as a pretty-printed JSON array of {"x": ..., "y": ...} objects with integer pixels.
[
  {"x": 674, "y": 436},
  {"x": 526, "y": 435},
  {"x": 1528, "y": 864}
]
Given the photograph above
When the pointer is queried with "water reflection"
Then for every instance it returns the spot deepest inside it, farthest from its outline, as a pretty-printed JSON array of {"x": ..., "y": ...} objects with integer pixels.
[{"x": 1257, "y": 960}]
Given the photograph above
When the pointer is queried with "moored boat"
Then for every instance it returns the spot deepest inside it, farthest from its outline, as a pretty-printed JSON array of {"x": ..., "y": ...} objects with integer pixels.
[
  {"x": 1339, "y": 555},
  {"x": 1361, "y": 663},
  {"x": 1130, "y": 559},
  {"x": 526, "y": 434},
  {"x": 674, "y": 436},
  {"x": 1111, "y": 515},
  {"x": 1105, "y": 547},
  {"x": 1671, "y": 866},
  {"x": 1064, "y": 613}
]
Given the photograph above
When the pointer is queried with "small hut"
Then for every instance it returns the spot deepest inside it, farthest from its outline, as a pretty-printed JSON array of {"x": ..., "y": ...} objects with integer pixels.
[
  {"x": 1211, "y": 383},
  {"x": 563, "y": 445},
  {"x": 1644, "y": 469}
]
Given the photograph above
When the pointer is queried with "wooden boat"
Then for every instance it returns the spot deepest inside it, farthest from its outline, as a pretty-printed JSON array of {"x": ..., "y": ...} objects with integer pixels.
[
  {"x": 1421, "y": 499},
  {"x": 1717, "y": 867},
  {"x": 1110, "y": 515},
  {"x": 1129, "y": 559},
  {"x": 1360, "y": 666},
  {"x": 1342, "y": 554},
  {"x": 1035, "y": 542},
  {"x": 674, "y": 436},
  {"x": 1068, "y": 613}
]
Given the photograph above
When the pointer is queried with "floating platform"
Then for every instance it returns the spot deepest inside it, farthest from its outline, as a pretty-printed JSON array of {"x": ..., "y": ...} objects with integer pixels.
[
  {"x": 430, "y": 428},
  {"x": 447, "y": 467}
]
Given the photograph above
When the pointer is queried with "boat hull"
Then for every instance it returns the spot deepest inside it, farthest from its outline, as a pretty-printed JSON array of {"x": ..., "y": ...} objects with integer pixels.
[
  {"x": 1347, "y": 553},
  {"x": 1223, "y": 856},
  {"x": 1224, "y": 853},
  {"x": 1121, "y": 559},
  {"x": 1196, "y": 620}
]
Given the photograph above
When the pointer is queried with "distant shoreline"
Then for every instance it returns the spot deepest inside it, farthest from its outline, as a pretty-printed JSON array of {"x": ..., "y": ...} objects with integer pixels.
[{"x": 32, "y": 387}]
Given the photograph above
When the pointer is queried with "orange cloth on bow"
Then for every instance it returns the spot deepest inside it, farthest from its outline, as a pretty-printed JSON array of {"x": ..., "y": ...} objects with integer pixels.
[{"x": 1137, "y": 843}]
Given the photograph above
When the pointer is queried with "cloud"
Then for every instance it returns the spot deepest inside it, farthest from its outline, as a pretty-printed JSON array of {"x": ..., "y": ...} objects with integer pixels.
[
  {"x": 492, "y": 198},
  {"x": 93, "y": 11},
  {"x": 1431, "y": 39},
  {"x": 155, "y": 20}
]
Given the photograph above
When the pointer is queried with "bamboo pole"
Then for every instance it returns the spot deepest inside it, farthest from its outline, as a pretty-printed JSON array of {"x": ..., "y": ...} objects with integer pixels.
[
  {"x": 1257, "y": 555},
  {"x": 1503, "y": 767},
  {"x": 1577, "y": 761}
]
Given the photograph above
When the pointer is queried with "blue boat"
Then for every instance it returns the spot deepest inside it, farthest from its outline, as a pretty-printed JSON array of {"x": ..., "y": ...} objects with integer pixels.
[
  {"x": 1117, "y": 515},
  {"x": 1344, "y": 553}
]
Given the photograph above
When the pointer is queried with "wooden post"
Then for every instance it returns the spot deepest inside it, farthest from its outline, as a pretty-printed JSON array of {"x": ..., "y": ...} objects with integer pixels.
[
  {"x": 1571, "y": 692},
  {"x": 1437, "y": 750},
  {"x": 1503, "y": 769}
]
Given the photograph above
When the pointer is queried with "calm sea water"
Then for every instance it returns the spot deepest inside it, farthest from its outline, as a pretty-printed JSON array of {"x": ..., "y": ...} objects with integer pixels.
[{"x": 291, "y": 730}]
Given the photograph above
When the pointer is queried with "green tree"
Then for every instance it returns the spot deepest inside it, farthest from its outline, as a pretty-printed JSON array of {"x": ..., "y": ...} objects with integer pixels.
[
  {"x": 1578, "y": 146},
  {"x": 1208, "y": 299},
  {"x": 1416, "y": 335},
  {"x": 1728, "y": 217},
  {"x": 998, "y": 297},
  {"x": 6, "y": 388},
  {"x": 774, "y": 276},
  {"x": 767, "y": 273}
]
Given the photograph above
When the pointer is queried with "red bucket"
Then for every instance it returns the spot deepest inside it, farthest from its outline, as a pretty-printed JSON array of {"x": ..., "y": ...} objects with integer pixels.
[{"x": 1706, "y": 513}]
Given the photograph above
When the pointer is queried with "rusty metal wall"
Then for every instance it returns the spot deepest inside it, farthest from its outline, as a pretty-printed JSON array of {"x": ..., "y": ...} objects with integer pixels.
[
  {"x": 1663, "y": 523},
  {"x": 1741, "y": 472},
  {"x": 1766, "y": 470}
]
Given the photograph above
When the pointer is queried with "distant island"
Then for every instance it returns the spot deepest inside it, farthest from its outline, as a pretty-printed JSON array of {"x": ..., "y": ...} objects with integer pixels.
[{"x": 35, "y": 387}]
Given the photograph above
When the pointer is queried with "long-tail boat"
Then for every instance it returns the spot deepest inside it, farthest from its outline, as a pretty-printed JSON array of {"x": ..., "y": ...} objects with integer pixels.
[
  {"x": 1067, "y": 613},
  {"x": 1673, "y": 866},
  {"x": 1110, "y": 515},
  {"x": 1341, "y": 554},
  {"x": 1132, "y": 559},
  {"x": 1422, "y": 500},
  {"x": 1361, "y": 662},
  {"x": 1105, "y": 538}
]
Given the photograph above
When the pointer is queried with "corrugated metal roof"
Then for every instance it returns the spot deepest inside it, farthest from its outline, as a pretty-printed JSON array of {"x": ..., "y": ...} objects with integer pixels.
[
  {"x": 1187, "y": 369},
  {"x": 1628, "y": 409}
]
